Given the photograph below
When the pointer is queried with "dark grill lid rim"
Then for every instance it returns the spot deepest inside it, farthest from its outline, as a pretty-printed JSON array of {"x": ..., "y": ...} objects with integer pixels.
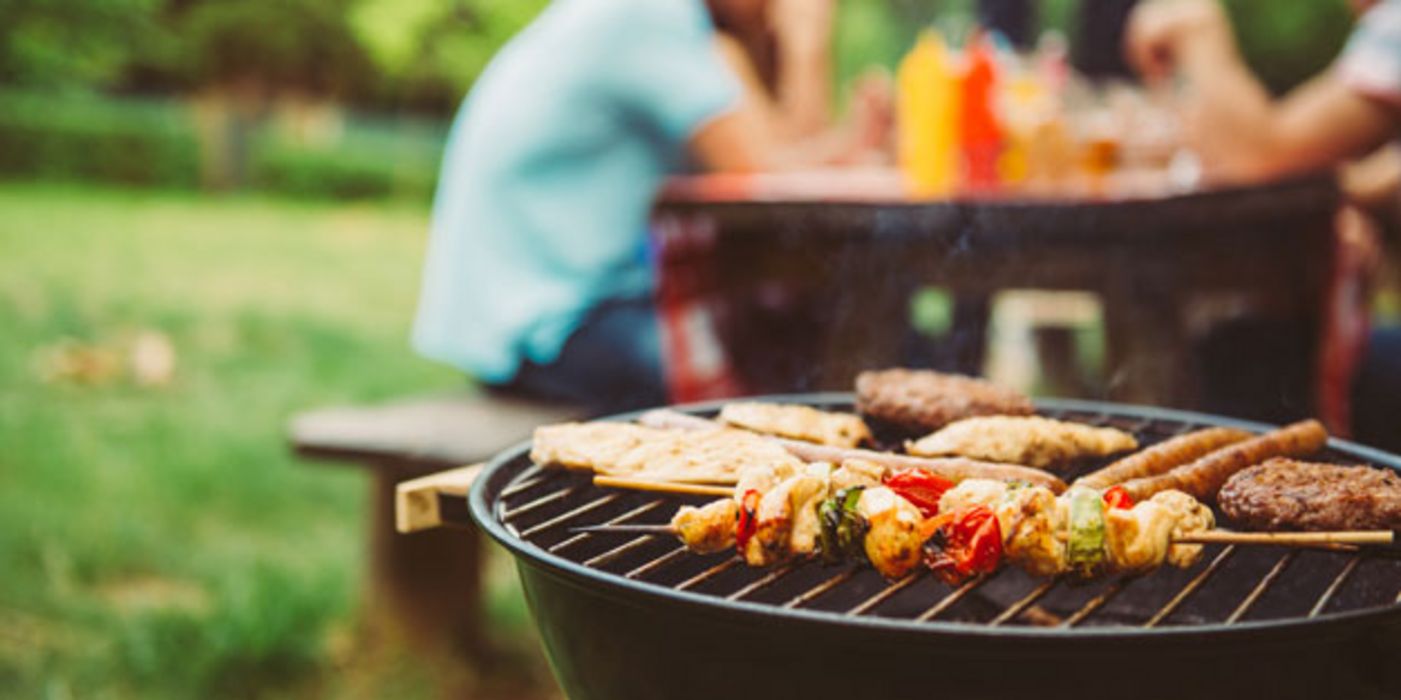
[{"x": 636, "y": 592}]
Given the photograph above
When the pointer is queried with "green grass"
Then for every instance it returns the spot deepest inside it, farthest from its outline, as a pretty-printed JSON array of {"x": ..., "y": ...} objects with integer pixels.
[{"x": 161, "y": 542}]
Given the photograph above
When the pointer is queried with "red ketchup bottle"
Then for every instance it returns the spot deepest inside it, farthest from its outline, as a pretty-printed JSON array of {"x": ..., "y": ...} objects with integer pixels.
[{"x": 980, "y": 133}]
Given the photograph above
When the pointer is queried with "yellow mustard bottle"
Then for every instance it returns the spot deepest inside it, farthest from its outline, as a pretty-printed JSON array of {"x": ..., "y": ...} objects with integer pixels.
[{"x": 928, "y": 118}]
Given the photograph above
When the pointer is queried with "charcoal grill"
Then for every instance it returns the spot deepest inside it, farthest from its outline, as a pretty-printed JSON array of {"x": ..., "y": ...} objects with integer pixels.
[{"x": 637, "y": 616}]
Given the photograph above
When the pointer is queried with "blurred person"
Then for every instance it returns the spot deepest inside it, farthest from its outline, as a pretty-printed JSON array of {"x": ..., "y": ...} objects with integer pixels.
[
  {"x": 536, "y": 279},
  {"x": 1243, "y": 133}
]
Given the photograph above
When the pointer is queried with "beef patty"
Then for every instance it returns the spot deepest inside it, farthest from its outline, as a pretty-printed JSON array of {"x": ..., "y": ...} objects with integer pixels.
[
  {"x": 926, "y": 400},
  {"x": 1285, "y": 494}
]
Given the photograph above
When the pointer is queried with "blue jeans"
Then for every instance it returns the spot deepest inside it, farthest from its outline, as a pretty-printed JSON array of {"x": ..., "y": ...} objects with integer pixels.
[
  {"x": 1376, "y": 397},
  {"x": 611, "y": 363}
]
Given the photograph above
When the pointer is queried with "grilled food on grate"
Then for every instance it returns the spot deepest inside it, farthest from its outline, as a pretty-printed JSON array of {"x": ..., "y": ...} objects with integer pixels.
[
  {"x": 922, "y": 400},
  {"x": 797, "y": 422},
  {"x": 1030, "y": 440},
  {"x": 955, "y": 468},
  {"x": 623, "y": 449},
  {"x": 1285, "y": 494},
  {"x": 1164, "y": 456},
  {"x": 897, "y": 521},
  {"x": 1205, "y": 476}
]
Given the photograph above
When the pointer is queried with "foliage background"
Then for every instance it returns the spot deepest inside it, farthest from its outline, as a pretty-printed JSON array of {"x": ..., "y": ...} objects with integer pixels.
[{"x": 123, "y": 90}]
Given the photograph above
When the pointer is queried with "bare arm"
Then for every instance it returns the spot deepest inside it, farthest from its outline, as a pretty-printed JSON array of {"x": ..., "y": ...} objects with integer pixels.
[
  {"x": 804, "y": 37},
  {"x": 760, "y": 135},
  {"x": 1240, "y": 131}
]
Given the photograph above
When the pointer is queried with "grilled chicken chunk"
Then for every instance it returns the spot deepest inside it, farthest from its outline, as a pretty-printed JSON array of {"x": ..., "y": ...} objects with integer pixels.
[
  {"x": 1137, "y": 538},
  {"x": 857, "y": 472},
  {"x": 893, "y": 543},
  {"x": 798, "y": 422},
  {"x": 763, "y": 477},
  {"x": 1189, "y": 516},
  {"x": 1030, "y": 440},
  {"x": 786, "y": 521},
  {"x": 624, "y": 449},
  {"x": 1033, "y": 522},
  {"x": 970, "y": 493},
  {"x": 709, "y": 528}
]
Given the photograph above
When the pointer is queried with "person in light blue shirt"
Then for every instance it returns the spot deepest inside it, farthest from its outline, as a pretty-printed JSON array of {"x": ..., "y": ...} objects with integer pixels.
[{"x": 536, "y": 278}]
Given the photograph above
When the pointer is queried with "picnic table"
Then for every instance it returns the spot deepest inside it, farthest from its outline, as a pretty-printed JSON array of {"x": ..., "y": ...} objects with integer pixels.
[{"x": 795, "y": 283}]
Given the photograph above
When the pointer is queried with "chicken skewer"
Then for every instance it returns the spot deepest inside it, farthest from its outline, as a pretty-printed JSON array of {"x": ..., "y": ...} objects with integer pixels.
[{"x": 861, "y": 511}]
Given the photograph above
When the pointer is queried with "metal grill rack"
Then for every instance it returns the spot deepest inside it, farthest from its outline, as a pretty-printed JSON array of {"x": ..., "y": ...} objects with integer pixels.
[{"x": 1229, "y": 586}]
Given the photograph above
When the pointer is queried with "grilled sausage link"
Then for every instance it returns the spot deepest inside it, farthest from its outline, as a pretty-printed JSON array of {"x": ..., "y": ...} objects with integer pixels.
[
  {"x": 1204, "y": 477},
  {"x": 1163, "y": 457}
]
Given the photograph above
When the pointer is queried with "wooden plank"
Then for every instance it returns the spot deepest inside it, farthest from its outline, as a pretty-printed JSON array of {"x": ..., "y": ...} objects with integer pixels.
[{"x": 416, "y": 501}]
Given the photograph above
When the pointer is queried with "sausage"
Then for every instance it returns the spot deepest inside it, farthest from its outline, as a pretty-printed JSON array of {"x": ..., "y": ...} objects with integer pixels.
[
  {"x": 1163, "y": 457},
  {"x": 1204, "y": 477},
  {"x": 951, "y": 468}
]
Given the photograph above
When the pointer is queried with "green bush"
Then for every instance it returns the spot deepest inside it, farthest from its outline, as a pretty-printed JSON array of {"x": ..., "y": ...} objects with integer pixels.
[
  {"x": 360, "y": 166},
  {"x": 87, "y": 138},
  {"x": 151, "y": 143}
]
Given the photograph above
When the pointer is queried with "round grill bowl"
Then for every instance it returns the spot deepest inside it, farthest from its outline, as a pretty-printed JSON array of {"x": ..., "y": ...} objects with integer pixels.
[{"x": 627, "y": 616}]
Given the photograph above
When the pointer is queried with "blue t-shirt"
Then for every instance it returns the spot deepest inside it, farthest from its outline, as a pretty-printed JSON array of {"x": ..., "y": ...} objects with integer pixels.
[{"x": 550, "y": 172}]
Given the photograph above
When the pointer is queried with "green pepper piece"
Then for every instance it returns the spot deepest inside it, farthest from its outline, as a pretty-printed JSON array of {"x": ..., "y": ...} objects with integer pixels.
[
  {"x": 829, "y": 515},
  {"x": 851, "y": 531},
  {"x": 1085, "y": 551}
]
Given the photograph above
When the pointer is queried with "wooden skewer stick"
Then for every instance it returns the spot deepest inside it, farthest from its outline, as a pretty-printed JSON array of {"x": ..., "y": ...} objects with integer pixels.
[
  {"x": 618, "y": 482},
  {"x": 1293, "y": 539},
  {"x": 628, "y": 529},
  {"x": 1285, "y": 539}
]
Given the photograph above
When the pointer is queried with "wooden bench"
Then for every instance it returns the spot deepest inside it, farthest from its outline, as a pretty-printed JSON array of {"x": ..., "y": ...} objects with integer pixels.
[{"x": 424, "y": 587}]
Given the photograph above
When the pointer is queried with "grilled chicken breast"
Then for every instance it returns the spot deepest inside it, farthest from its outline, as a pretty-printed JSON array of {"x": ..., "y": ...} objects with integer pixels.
[
  {"x": 624, "y": 449},
  {"x": 1029, "y": 440},
  {"x": 797, "y": 422}
]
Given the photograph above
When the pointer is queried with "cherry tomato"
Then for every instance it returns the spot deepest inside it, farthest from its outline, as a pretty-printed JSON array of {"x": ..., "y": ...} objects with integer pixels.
[
  {"x": 1118, "y": 497},
  {"x": 964, "y": 543},
  {"x": 744, "y": 529},
  {"x": 920, "y": 487}
]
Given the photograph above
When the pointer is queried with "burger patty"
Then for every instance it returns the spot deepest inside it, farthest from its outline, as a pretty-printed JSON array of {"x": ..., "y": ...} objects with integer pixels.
[
  {"x": 926, "y": 401},
  {"x": 1286, "y": 494}
]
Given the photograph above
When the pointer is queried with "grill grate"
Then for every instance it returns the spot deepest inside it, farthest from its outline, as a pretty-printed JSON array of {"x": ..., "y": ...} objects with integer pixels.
[{"x": 1230, "y": 585}]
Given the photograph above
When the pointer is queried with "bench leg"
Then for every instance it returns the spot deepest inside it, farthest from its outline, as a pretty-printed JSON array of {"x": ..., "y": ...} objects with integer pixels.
[{"x": 426, "y": 586}]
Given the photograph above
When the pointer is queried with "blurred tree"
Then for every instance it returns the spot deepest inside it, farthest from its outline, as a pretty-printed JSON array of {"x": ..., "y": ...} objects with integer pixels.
[
  {"x": 304, "y": 46},
  {"x": 65, "y": 44},
  {"x": 430, "y": 51}
]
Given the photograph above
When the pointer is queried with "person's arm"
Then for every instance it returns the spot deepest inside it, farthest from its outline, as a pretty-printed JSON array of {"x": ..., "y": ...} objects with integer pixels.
[
  {"x": 761, "y": 134},
  {"x": 1241, "y": 132},
  {"x": 803, "y": 31},
  {"x": 737, "y": 142}
]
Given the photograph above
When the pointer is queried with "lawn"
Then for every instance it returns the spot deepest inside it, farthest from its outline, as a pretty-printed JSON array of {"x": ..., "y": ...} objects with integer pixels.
[{"x": 159, "y": 541}]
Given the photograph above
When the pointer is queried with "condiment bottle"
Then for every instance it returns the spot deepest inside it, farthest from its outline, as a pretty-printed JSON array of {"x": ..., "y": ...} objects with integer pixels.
[
  {"x": 980, "y": 133},
  {"x": 927, "y": 117}
]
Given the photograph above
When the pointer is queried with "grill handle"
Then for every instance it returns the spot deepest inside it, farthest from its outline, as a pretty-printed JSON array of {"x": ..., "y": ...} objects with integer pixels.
[{"x": 416, "y": 502}]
